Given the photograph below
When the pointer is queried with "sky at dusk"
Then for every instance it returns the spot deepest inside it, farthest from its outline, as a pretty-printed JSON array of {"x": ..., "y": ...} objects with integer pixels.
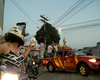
[{"x": 79, "y": 20}]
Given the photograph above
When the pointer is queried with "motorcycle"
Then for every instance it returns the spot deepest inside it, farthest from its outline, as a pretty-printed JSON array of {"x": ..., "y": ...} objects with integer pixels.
[
  {"x": 38, "y": 62},
  {"x": 35, "y": 69},
  {"x": 32, "y": 68},
  {"x": 10, "y": 72}
]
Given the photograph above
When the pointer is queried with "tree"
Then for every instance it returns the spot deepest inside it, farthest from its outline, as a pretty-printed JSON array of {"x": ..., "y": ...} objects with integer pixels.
[{"x": 51, "y": 34}]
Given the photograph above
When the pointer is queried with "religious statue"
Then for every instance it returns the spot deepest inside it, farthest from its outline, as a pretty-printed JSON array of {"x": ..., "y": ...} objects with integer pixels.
[
  {"x": 64, "y": 40},
  {"x": 65, "y": 47}
]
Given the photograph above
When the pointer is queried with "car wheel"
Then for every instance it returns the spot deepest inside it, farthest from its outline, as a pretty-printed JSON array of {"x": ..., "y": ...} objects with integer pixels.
[
  {"x": 51, "y": 67},
  {"x": 84, "y": 70},
  {"x": 28, "y": 70}
]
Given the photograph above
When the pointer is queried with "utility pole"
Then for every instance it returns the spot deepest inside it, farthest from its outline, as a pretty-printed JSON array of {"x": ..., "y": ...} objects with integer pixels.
[{"x": 44, "y": 20}]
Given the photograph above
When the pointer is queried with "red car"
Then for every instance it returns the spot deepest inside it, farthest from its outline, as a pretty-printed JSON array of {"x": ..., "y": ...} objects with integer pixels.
[{"x": 72, "y": 60}]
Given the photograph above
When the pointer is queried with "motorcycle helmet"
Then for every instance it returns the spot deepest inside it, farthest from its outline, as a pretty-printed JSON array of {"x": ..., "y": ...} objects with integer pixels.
[{"x": 17, "y": 34}]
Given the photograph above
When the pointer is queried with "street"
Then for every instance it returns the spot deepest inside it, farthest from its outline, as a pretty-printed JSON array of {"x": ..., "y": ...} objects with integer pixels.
[{"x": 65, "y": 75}]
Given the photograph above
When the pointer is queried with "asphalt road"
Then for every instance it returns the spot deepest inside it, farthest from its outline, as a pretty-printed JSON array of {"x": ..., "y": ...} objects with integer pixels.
[{"x": 65, "y": 75}]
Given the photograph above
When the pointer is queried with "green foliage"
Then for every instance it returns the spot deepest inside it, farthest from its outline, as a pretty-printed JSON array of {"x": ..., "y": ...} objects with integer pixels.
[
  {"x": 80, "y": 49},
  {"x": 51, "y": 34}
]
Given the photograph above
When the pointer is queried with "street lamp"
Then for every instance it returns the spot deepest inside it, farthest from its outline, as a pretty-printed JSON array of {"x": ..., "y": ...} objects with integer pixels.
[{"x": 59, "y": 30}]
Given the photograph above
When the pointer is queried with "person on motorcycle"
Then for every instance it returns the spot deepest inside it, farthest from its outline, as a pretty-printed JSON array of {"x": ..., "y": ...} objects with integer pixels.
[
  {"x": 11, "y": 53},
  {"x": 27, "y": 61}
]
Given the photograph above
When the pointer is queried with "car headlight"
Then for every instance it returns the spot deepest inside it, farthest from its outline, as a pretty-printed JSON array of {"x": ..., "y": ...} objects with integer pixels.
[
  {"x": 7, "y": 76},
  {"x": 92, "y": 60},
  {"x": 33, "y": 63}
]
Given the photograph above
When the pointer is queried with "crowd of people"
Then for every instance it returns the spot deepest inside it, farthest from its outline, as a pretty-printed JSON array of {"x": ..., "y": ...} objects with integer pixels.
[
  {"x": 10, "y": 50},
  {"x": 30, "y": 59}
]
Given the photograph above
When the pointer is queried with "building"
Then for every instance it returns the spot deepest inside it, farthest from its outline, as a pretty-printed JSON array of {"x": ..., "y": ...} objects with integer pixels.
[
  {"x": 33, "y": 51},
  {"x": 2, "y": 2},
  {"x": 96, "y": 50}
]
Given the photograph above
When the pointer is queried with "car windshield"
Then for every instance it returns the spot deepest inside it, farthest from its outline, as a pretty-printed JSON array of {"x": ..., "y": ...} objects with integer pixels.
[{"x": 78, "y": 53}]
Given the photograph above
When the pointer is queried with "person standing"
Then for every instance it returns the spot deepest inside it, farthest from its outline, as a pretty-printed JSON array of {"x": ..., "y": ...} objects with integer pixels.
[
  {"x": 58, "y": 46},
  {"x": 45, "y": 53},
  {"x": 49, "y": 51},
  {"x": 40, "y": 56},
  {"x": 26, "y": 64},
  {"x": 27, "y": 61}
]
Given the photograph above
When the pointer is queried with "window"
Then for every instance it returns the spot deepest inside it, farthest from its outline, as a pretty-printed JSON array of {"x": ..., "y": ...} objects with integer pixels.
[
  {"x": 66, "y": 54},
  {"x": 78, "y": 53},
  {"x": 59, "y": 54}
]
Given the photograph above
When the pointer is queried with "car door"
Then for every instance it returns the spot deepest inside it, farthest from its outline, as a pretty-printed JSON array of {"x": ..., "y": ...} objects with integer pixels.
[
  {"x": 58, "y": 59},
  {"x": 68, "y": 62}
]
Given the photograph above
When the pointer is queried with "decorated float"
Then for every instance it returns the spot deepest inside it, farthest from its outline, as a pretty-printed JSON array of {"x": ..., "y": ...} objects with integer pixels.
[{"x": 65, "y": 47}]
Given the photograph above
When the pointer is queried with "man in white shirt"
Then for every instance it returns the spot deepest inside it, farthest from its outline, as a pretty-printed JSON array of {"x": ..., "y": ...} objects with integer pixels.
[
  {"x": 49, "y": 51},
  {"x": 66, "y": 55}
]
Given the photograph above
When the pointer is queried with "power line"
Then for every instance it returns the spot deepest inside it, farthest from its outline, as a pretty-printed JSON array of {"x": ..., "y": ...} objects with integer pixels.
[
  {"x": 77, "y": 5},
  {"x": 80, "y": 23},
  {"x": 80, "y": 31},
  {"x": 56, "y": 10},
  {"x": 65, "y": 13},
  {"x": 23, "y": 12},
  {"x": 77, "y": 11},
  {"x": 56, "y": 15},
  {"x": 82, "y": 26}
]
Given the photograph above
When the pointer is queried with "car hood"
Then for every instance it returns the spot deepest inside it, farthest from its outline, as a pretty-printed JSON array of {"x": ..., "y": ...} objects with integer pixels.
[{"x": 88, "y": 57}]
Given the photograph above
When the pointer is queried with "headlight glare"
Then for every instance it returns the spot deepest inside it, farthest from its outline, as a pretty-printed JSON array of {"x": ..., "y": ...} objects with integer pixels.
[
  {"x": 33, "y": 63},
  {"x": 7, "y": 76},
  {"x": 92, "y": 60}
]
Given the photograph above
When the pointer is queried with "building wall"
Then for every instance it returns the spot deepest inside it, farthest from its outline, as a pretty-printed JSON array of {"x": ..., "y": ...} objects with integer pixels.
[
  {"x": 34, "y": 52},
  {"x": 1, "y": 15},
  {"x": 96, "y": 50}
]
